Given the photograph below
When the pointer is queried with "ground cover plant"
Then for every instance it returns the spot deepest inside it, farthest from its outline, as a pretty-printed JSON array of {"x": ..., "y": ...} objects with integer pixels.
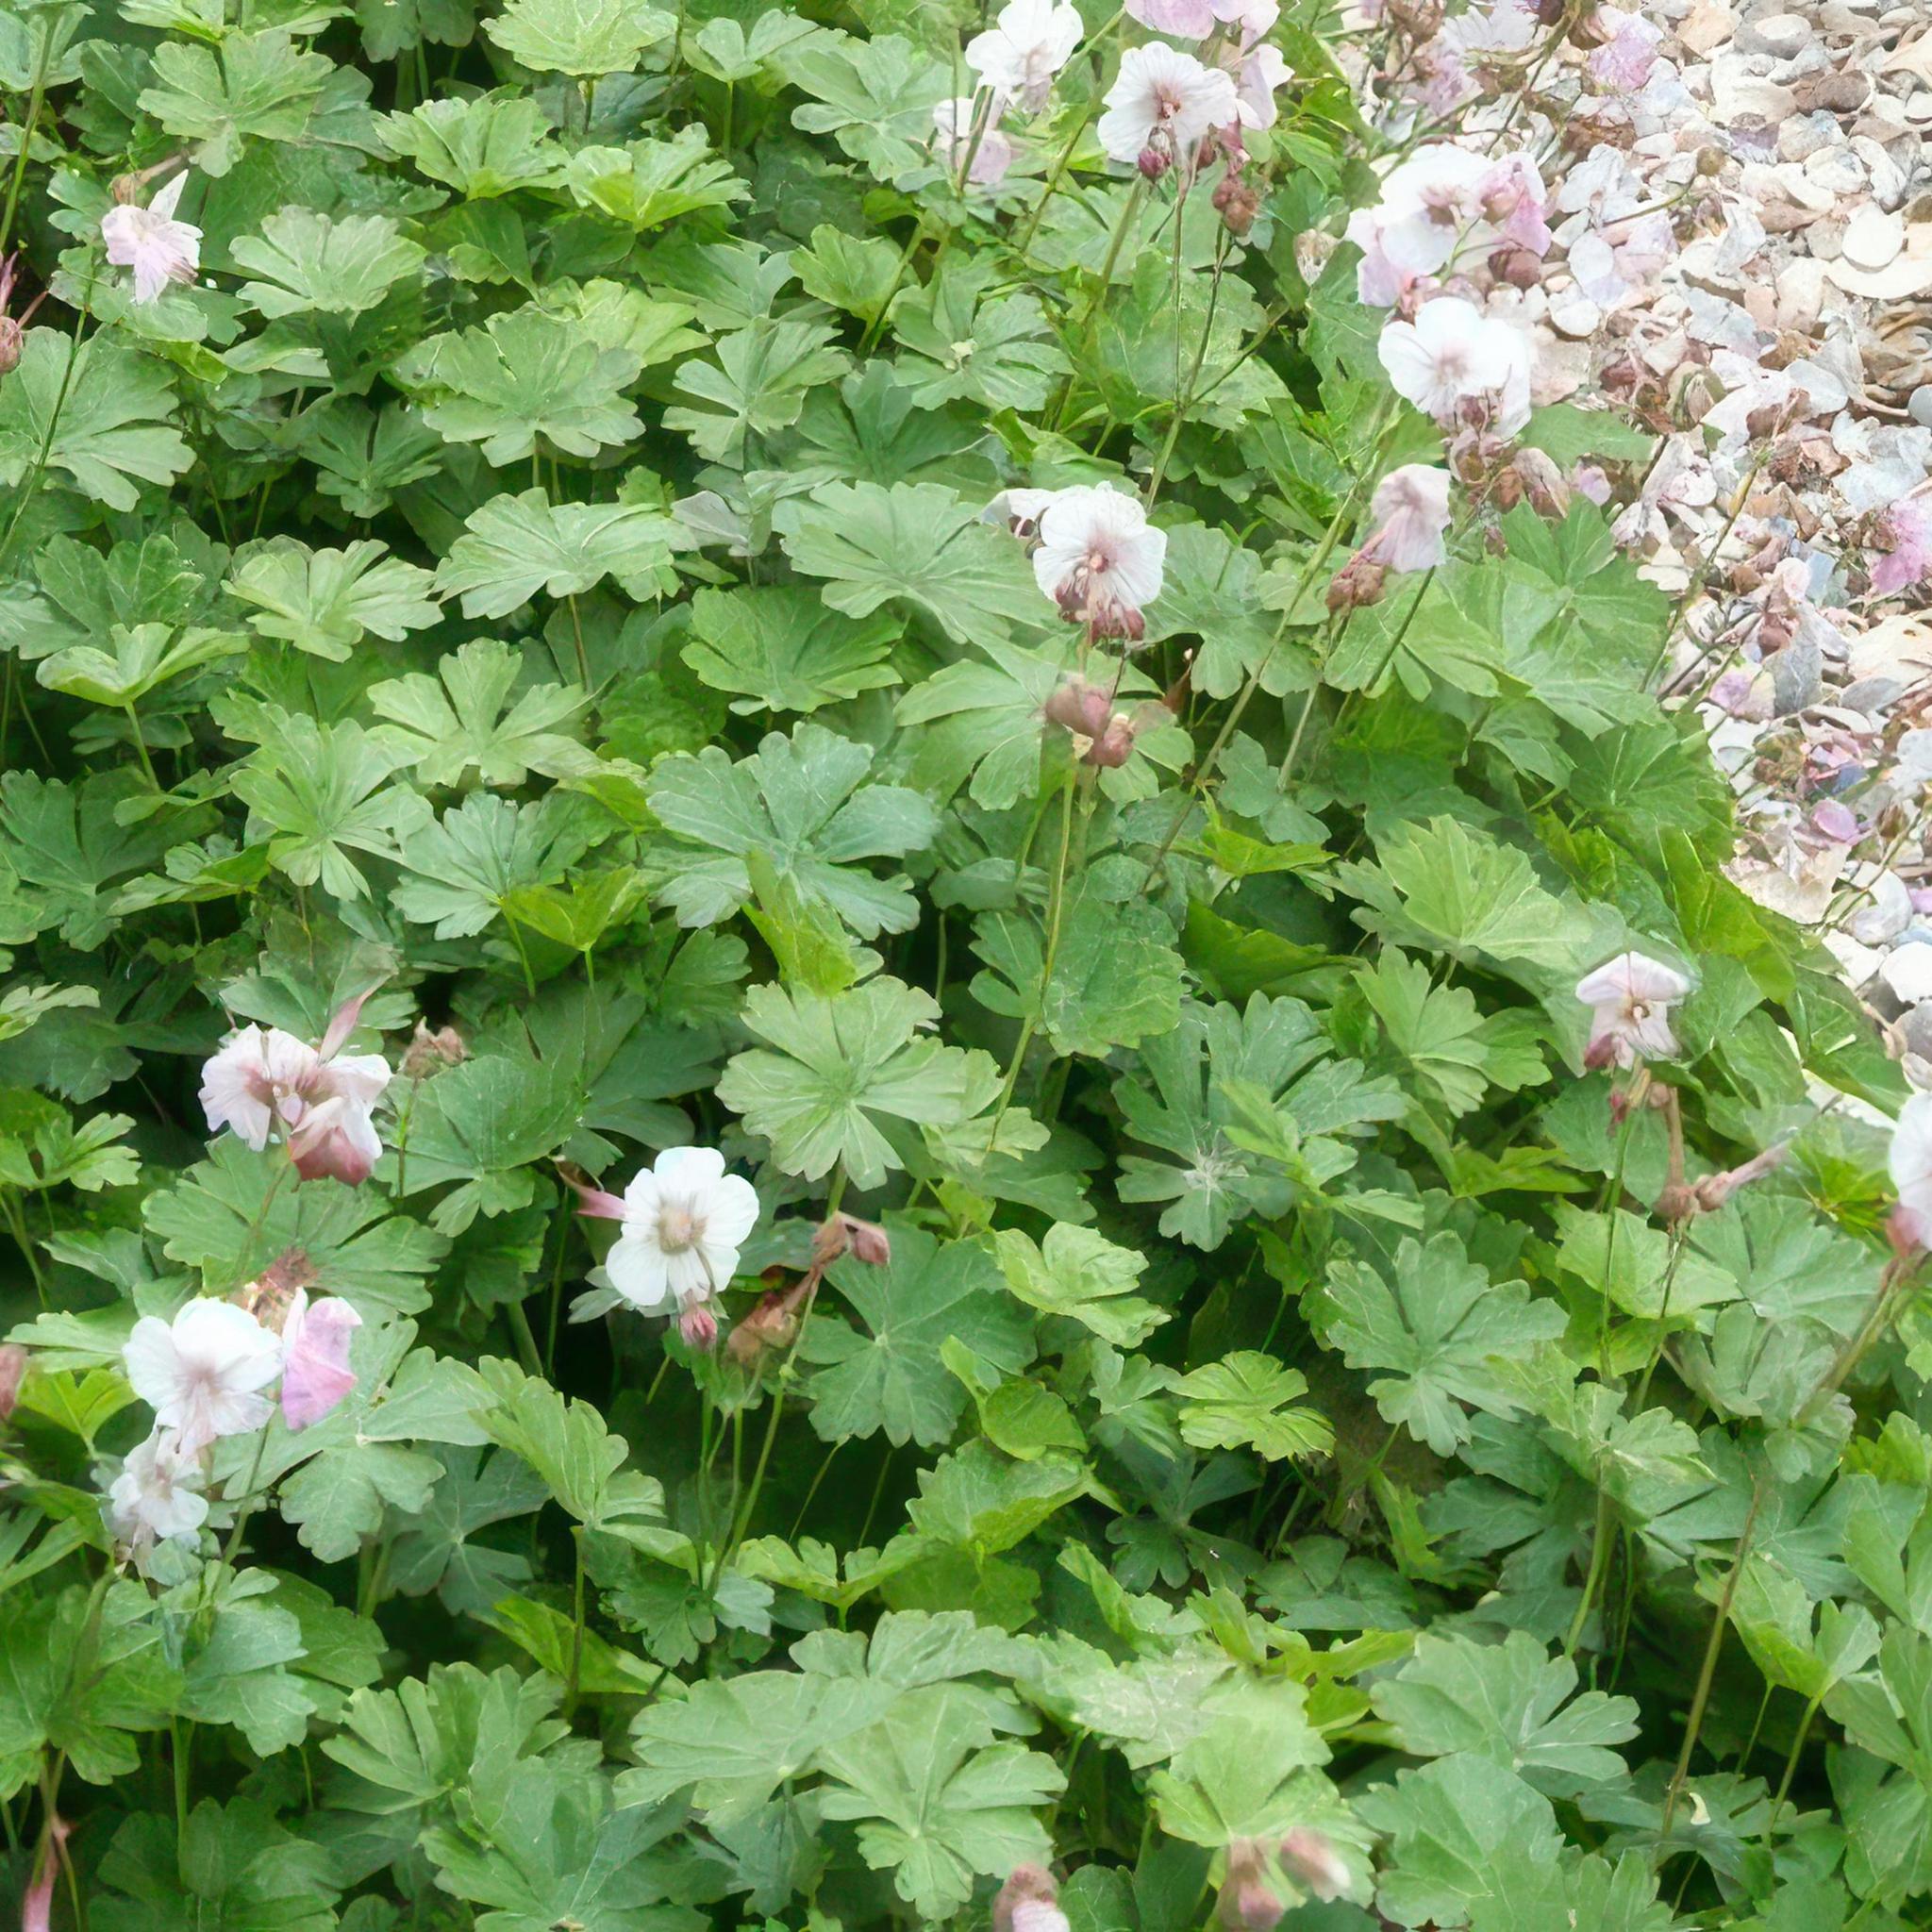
[{"x": 883, "y": 1043}]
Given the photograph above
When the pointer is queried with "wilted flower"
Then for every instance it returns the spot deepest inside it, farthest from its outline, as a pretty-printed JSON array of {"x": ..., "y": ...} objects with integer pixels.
[
  {"x": 203, "y": 1373},
  {"x": 1099, "y": 559},
  {"x": 428, "y": 1053},
  {"x": 1453, "y": 357},
  {"x": 1911, "y": 1169},
  {"x": 1309, "y": 1858},
  {"x": 1028, "y": 1902},
  {"x": 1411, "y": 511},
  {"x": 1907, "y": 529},
  {"x": 1027, "y": 44},
  {"x": 1630, "y": 999},
  {"x": 1358, "y": 584},
  {"x": 14, "y": 1363},
  {"x": 684, "y": 1220},
  {"x": 1187, "y": 20},
  {"x": 152, "y": 243},
  {"x": 158, "y": 1492},
  {"x": 954, "y": 124},
  {"x": 316, "y": 1375},
  {"x": 264, "y": 1079},
  {"x": 1161, "y": 104}
]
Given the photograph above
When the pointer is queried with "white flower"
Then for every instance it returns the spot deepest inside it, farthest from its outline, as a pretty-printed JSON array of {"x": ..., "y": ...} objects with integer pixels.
[
  {"x": 1099, "y": 560},
  {"x": 1018, "y": 509},
  {"x": 203, "y": 1373},
  {"x": 1428, "y": 204},
  {"x": 1254, "y": 17},
  {"x": 684, "y": 1221},
  {"x": 1911, "y": 1166},
  {"x": 1453, "y": 354},
  {"x": 1039, "y": 1915},
  {"x": 1263, "y": 71},
  {"x": 152, "y": 243},
  {"x": 1630, "y": 999},
  {"x": 1161, "y": 104},
  {"x": 264, "y": 1080},
  {"x": 954, "y": 123},
  {"x": 1411, "y": 511},
  {"x": 156, "y": 1495},
  {"x": 1020, "y": 54},
  {"x": 1187, "y": 20}
]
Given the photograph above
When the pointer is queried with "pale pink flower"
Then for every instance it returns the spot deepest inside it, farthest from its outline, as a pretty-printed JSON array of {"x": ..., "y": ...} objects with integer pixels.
[
  {"x": 1410, "y": 509},
  {"x": 152, "y": 243},
  {"x": 268, "y": 1081},
  {"x": 1099, "y": 559},
  {"x": 1624, "y": 62},
  {"x": 1160, "y": 106},
  {"x": 1027, "y": 44},
  {"x": 684, "y": 1220},
  {"x": 1908, "y": 526},
  {"x": 1429, "y": 205},
  {"x": 204, "y": 1371},
  {"x": 954, "y": 123},
  {"x": 1253, "y": 17},
  {"x": 1263, "y": 70},
  {"x": 1028, "y": 1902},
  {"x": 1513, "y": 198},
  {"x": 156, "y": 1495},
  {"x": 1187, "y": 20},
  {"x": 1630, "y": 999},
  {"x": 1452, "y": 358},
  {"x": 1309, "y": 1857},
  {"x": 316, "y": 1375},
  {"x": 1912, "y": 1168}
]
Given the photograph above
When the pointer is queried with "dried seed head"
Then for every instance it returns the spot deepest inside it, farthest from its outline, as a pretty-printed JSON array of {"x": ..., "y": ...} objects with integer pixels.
[
  {"x": 430, "y": 1053},
  {"x": 13, "y": 340},
  {"x": 845, "y": 1234},
  {"x": 1355, "y": 585},
  {"x": 772, "y": 1324}
]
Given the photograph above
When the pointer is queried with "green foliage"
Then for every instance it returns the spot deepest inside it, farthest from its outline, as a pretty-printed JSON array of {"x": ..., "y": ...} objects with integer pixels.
[{"x": 531, "y": 676}]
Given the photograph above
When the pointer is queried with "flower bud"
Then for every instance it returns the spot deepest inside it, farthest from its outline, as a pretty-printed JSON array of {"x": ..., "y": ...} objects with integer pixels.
[
  {"x": 1236, "y": 203},
  {"x": 13, "y": 1359},
  {"x": 699, "y": 1327},
  {"x": 1518, "y": 267},
  {"x": 845, "y": 1234},
  {"x": 1248, "y": 1902},
  {"x": 1028, "y": 1902},
  {"x": 1114, "y": 746},
  {"x": 1311, "y": 1859},
  {"x": 1079, "y": 705},
  {"x": 13, "y": 340},
  {"x": 772, "y": 1324},
  {"x": 1355, "y": 585},
  {"x": 1153, "y": 163}
]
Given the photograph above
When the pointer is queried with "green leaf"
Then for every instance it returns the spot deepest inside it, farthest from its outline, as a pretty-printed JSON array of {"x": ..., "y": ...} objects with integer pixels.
[
  {"x": 1510, "y": 1702},
  {"x": 1250, "y": 1770},
  {"x": 1442, "y": 1331},
  {"x": 105, "y": 429},
  {"x": 1452, "y": 1053},
  {"x": 733, "y": 1741},
  {"x": 781, "y": 650},
  {"x": 515, "y": 546},
  {"x": 1115, "y": 981},
  {"x": 1462, "y": 892},
  {"x": 235, "y": 1867},
  {"x": 651, "y": 182},
  {"x": 1244, "y": 1402},
  {"x": 138, "y": 661},
  {"x": 832, "y": 1064},
  {"x": 557, "y": 1852},
  {"x": 891, "y": 1377},
  {"x": 580, "y": 37},
  {"x": 258, "y": 87},
  {"x": 567, "y": 1444},
  {"x": 874, "y": 97},
  {"x": 466, "y": 719},
  {"x": 965, "y": 346},
  {"x": 219, "y": 1218},
  {"x": 306, "y": 265},
  {"x": 1082, "y": 1277},
  {"x": 936, "y": 1802},
  {"x": 325, "y": 601},
  {"x": 916, "y": 541},
  {"x": 525, "y": 373},
  {"x": 800, "y": 803},
  {"x": 484, "y": 147},
  {"x": 757, "y": 388},
  {"x": 41, "y": 1147}
]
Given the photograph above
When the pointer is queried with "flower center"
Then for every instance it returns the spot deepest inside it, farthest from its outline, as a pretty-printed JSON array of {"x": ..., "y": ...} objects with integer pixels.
[{"x": 678, "y": 1229}]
